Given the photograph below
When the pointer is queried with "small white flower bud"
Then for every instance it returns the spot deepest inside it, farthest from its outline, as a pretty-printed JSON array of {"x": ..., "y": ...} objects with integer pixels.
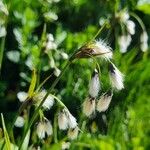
[
  {"x": 19, "y": 122},
  {"x": 22, "y": 96},
  {"x": 104, "y": 101},
  {"x": 89, "y": 106},
  {"x": 73, "y": 133},
  {"x": 124, "y": 41},
  {"x": 144, "y": 41},
  {"x": 44, "y": 127},
  {"x": 116, "y": 77},
  {"x": 130, "y": 27},
  {"x": 48, "y": 103},
  {"x": 94, "y": 85}
]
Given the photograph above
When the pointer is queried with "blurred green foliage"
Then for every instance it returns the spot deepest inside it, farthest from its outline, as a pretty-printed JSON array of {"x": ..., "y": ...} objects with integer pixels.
[{"x": 73, "y": 23}]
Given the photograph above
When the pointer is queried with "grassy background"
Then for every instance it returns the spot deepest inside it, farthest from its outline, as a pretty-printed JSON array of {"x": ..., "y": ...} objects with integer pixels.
[{"x": 73, "y": 23}]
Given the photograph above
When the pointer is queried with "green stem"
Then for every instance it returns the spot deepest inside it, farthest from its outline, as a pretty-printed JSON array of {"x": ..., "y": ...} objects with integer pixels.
[
  {"x": 139, "y": 20},
  {"x": 99, "y": 31},
  {"x": 55, "y": 128},
  {"x": 1, "y": 52}
]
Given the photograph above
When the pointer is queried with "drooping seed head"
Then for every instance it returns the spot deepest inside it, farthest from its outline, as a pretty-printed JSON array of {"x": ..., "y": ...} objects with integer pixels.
[
  {"x": 44, "y": 128},
  {"x": 104, "y": 101},
  {"x": 116, "y": 77},
  {"x": 89, "y": 107},
  {"x": 94, "y": 84}
]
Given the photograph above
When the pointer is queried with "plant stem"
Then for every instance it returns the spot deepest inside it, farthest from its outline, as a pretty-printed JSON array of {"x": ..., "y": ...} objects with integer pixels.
[
  {"x": 1, "y": 52},
  {"x": 40, "y": 105}
]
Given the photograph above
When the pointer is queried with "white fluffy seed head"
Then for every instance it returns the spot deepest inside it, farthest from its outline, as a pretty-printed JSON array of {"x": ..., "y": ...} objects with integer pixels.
[
  {"x": 116, "y": 77},
  {"x": 73, "y": 133},
  {"x": 144, "y": 41},
  {"x": 103, "y": 49},
  {"x": 22, "y": 96},
  {"x": 89, "y": 107},
  {"x": 66, "y": 120},
  {"x": 124, "y": 41},
  {"x": 72, "y": 122},
  {"x": 48, "y": 102},
  {"x": 65, "y": 145},
  {"x": 104, "y": 102},
  {"x": 44, "y": 128},
  {"x": 94, "y": 85},
  {"x": 62, "y": 120},
  {"x": 19, "y": 122}
]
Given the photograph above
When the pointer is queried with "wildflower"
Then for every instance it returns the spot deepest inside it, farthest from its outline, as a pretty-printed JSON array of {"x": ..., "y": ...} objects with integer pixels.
[
  {"x": 65, "y": 145},
  {"x": 89, "y": 106},
  {"x": 96, "y": 48},
  {"x": 22, "y": 96},
  {"x": 50, "y": 42},
  {"x": 144, "y": 41},
  {"x": 44, "y": 127},
  {"x": 48, "y": 103},
  {"x": 73, "y": 133},
  {"x": 124, "y": 41},
  {"x": 104, "y": 102},
  {"x": 66, "y": 120},
  {"x": 116, "y": 77},
  {"x": 62, "y": 120},
  {"x": 130, "y": 27},
  {"x": 94, "y": 84},
  {"x": 57, "y": 72},
  {"x": 19, "y": 122}
]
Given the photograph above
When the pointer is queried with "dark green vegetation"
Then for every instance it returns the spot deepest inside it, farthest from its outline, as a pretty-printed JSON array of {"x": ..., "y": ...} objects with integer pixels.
[{"x": 73, "y": 23}]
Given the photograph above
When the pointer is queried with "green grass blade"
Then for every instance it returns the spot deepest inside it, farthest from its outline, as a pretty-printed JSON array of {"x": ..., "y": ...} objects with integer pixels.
[{"x": 7, "y": 141}]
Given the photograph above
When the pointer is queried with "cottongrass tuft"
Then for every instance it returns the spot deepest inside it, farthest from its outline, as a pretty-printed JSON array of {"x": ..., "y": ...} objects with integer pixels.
[
  {"x": 116, "y": 77},
  {"x": 96, "y": 48},
  {"x": 104, "y": 101},
  {"x": 89, "y": 107},
  {"x": 94, "y": 85},
  {"x": 44, "y": 128},
  {"x": 66, "y": 120}
]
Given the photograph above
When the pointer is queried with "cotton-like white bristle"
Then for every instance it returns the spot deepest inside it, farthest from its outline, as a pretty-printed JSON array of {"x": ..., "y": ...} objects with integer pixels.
[
  {"x": 62, "y": 120},
  {"x": 94, "y": 85},
  {"x": 22, "y": 96},
  {"x": 89, "y": 107},
  {"x": 104, "y": 102},
  {"x": 44, "y": 127},
  {"x": 103, "y": 49},
  {"x": 19, "y": 122},
  {"x": 116, "y": 77},
  {"x": 72, "y": 122},
  {"x": 73, "y": 133},
  {"x": 41, "y": 130}
]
